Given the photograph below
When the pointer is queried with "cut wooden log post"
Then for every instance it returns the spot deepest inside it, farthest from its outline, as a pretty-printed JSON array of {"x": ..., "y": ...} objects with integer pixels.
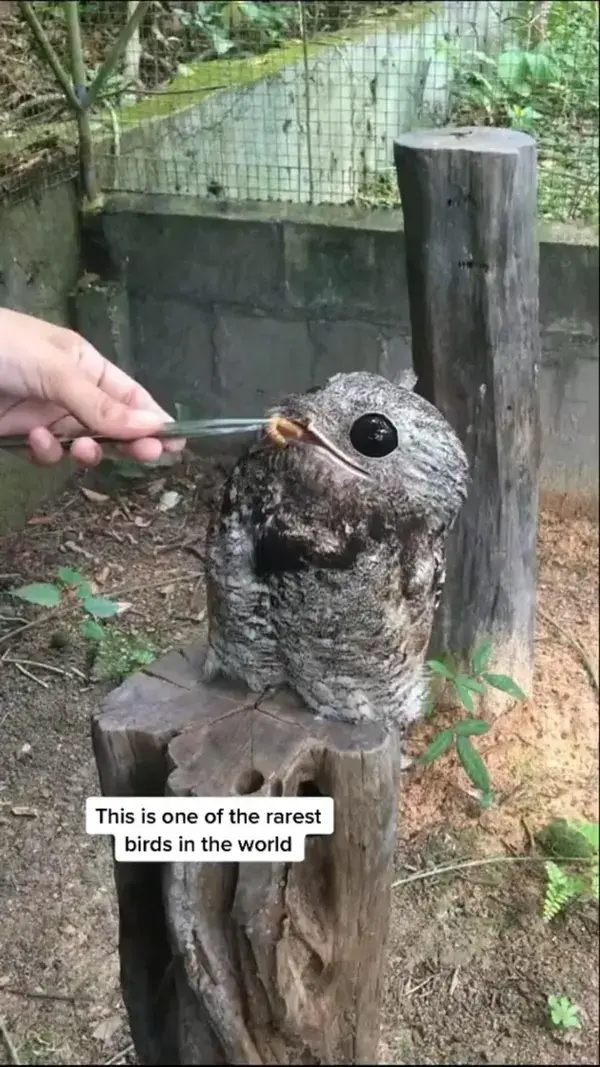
[
  {"x": 469, "y": 202},
  {"x": 259, "y": 963}
]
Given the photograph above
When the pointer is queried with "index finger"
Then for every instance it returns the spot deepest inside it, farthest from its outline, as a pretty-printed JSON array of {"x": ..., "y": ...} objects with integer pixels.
[{"x": 115, "y": 382}]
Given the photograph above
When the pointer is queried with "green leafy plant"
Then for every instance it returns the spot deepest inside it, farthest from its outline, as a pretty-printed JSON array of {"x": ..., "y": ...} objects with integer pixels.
[
  {"x": 238, "y": 27},
  {"x": 120, "y": 654},
  {"x": 242, "y": 28},
  {"x": 113, "y": 653},
  {"x": 569, "y": 840},
  {"x": 564, "y": 1015},
  {"x": 544, "y": 82},
  {"x": 469, "y": 686},
  {"x": 71, "y": 584}
]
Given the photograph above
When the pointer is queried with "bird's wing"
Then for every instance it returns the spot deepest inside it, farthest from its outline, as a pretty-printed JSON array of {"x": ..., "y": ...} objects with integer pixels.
[
  {"x": 439, "y": 568},
  {"x": 242, "y": 644}
]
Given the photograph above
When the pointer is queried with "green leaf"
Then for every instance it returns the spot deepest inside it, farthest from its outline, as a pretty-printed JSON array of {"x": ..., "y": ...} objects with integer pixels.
[
  {"x": 92, "y": 630},
  {"x": 71, "y": 578},
  {"x": 505, "y": 685},
  {"x": 539, "y": 67},
  {"x": 588, "y": 830},
  {"x": 464, "y": 695},
  {"x": 563, "y": 1012},
  {"x": 100, "y": 607},
  {"x": 487, "y": 799},
  {"x": 481, "y": 657},
  {"x": 481, "y": 57},
  {"x": 48, "y": 596},
  {"x": 563, "y": 838},
  {"x": 142, "y": 656},
  {"x": 470, "y": 683},
  {"x": 471, "y": 727},
  {"x": 438, "y": 746},
  {"x": 512, "y": 66},
  {"x": 473, "y": 764},
  {"x": 220, "y": 43},
  {"x": 438, "y": 667}
]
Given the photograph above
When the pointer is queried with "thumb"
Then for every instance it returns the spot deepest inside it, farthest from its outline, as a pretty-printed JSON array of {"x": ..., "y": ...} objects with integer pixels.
[{"x": 99, "y": 412}]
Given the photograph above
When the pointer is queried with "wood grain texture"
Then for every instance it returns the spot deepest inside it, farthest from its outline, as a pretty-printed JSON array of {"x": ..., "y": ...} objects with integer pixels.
[
  {"x": 257, "y": 962},
  {"x": 469, "y": 201}
]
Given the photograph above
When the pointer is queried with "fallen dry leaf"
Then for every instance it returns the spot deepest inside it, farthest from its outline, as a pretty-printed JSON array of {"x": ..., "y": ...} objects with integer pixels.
[
  {"x": 107, "y": 1028},
  {"x": 156, "y": 487},
  {"x": 169, "y": 500},
  {"x": 93, "y": 496},
  {"x": 74, "y": 547}
]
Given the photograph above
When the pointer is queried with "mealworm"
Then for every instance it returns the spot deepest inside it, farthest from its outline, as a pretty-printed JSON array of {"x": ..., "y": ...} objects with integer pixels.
[{"x": 279, "y": 430}]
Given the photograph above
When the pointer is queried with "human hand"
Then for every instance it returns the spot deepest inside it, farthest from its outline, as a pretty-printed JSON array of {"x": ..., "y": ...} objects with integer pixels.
[{"x": 52, "y": 382}]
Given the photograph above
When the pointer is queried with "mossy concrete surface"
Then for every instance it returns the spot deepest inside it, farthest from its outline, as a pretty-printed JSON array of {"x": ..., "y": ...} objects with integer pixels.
[{"x": 314, "y": 125}]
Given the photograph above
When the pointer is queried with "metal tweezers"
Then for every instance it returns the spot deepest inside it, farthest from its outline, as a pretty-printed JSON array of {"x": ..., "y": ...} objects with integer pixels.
[{"x": 190, "y": 429}]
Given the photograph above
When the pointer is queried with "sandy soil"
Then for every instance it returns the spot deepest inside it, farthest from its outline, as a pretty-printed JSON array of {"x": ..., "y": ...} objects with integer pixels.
[{"x": 470, "y": 961}]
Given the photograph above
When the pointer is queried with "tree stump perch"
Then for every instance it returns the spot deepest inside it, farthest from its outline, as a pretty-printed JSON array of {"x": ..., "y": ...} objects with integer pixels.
[
  {"x": 251, "y": 962},
  {"x": 469, "y": 202}
]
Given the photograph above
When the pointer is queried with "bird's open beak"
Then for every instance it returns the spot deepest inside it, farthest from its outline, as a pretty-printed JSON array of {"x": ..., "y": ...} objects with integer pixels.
[{"x": 282, "y": 431}]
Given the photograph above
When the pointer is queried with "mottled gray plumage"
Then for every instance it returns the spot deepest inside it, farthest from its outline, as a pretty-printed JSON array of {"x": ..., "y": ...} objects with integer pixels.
[{"x": 327, "y": 579}]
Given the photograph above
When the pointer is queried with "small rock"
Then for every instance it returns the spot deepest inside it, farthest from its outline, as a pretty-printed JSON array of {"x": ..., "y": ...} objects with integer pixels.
[
  {"x": 169, "y": 500},
  {"x": 25, "y": 751},
  {"x": 23, "y": 812},
  {"x": 107, "y": 1028}
]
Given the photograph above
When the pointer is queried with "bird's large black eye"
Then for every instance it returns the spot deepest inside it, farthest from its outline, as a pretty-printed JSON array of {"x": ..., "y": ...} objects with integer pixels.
[{"x": 374, "y": 435}]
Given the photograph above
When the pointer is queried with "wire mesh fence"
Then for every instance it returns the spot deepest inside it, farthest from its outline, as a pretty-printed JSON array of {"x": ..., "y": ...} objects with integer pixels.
[{"x": 298, "y": 102}]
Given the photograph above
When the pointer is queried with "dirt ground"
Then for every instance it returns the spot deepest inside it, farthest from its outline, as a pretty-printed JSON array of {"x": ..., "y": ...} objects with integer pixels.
[{"x": 470, "y": 961}]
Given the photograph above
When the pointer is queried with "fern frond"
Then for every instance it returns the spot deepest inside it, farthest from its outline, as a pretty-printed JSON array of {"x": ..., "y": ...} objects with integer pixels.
[{"x": 561, "y": 888}]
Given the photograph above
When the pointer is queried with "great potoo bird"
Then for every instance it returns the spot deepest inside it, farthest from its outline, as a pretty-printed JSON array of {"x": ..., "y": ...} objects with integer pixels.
[{"x": 326, "y": 556}]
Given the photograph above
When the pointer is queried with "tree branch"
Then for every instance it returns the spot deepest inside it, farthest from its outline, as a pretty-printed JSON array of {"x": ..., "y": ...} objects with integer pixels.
[
  {"x": 49, "y": 54},
  {"x": 116, "y": 52},
  {"x": 86, "y": 147},
  {"x": 71, "y": 9}
]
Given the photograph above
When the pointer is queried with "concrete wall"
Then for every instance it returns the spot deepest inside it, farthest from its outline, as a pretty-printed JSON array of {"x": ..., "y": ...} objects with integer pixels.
[
  {"x": 230, "y": 309},
  {"x": 223, "y": 311},
  {"x": 39, "y": 253},
  {"x": 39, "y": 266}
]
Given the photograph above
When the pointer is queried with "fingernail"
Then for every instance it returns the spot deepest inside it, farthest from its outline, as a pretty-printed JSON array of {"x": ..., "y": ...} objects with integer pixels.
[{"x": 147, "y": 418}]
